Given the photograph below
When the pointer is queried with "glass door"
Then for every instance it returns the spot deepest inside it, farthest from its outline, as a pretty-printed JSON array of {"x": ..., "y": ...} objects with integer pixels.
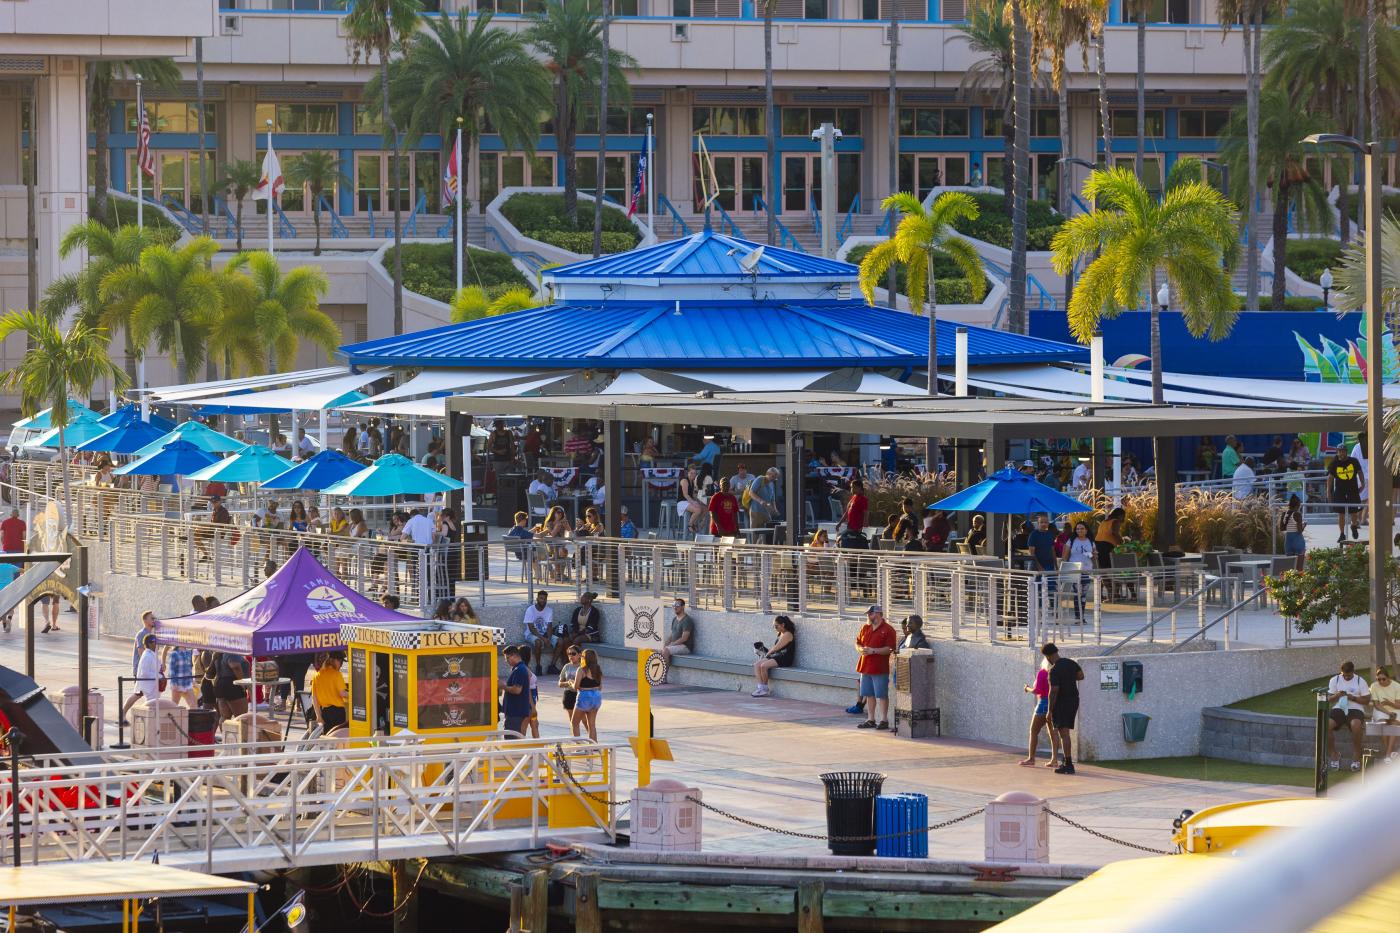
[
  {"x": 498, "y": 170},
  {"x": 921, "y": 173},
  {"x": 802, "y": 183},
  {"x": 369, "y": 182},
  {"x": 740, "y": 180}
]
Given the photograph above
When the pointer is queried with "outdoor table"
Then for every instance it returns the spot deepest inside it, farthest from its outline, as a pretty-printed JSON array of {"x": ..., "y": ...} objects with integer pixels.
[
  {"x": 270, "y": 687},
  {"x": 754, "y": 533},
  {"x": 1250, "y": 571}
]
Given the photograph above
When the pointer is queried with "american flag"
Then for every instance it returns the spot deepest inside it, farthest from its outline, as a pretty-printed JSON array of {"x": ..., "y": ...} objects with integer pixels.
[
  {"x": 451, "y": 178},
  {"x": 144, "y": 158},
  {"x": 639, "y": 182}
]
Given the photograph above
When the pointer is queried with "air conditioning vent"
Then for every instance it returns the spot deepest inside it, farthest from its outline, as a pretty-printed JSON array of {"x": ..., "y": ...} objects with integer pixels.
[
  {"x": 680, "y": 32},
  {"x": 230, "y": 25}
]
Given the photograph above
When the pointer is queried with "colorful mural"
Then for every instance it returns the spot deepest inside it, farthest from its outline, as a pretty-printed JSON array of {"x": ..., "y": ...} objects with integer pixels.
[{"x": 1332, "y": 362}]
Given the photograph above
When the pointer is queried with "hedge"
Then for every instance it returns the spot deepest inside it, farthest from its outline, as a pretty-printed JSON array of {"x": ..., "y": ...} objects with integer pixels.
[
  {"x": 1309, "y": 257},
  {"x": 951, "y": 288},
  {"x": 993, "y": 224},
  {"x": 1290, "y": 302},
  {"x": 428, "y": 269},
  {"x": 531, "y": 211},
  {"x": 581, "y": 241},
  {"x": 121, "y": 212}
]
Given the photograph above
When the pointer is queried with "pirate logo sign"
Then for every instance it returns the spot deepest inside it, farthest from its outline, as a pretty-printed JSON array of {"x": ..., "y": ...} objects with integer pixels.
[{"x": 645, "y": 619}]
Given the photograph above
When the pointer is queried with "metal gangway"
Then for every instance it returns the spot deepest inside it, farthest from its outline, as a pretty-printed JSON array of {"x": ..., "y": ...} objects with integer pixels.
[{"x": 273, "y": 805}]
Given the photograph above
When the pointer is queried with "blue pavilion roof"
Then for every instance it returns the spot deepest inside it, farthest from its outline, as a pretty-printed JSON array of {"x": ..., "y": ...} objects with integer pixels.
[
  {"x": 706, "y": 254},
  {"x": 745, "y": 334}
]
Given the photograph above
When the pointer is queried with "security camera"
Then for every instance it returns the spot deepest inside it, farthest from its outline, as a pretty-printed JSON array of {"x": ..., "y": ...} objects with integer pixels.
[{"x": 817, "y": 133}]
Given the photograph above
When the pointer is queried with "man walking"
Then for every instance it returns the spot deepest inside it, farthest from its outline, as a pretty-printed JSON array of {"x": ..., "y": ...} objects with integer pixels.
[
  {"x": 1065, "y": 676},
  {"x": 1345, "y": 483},
  {"x": 876, "y": 642}
]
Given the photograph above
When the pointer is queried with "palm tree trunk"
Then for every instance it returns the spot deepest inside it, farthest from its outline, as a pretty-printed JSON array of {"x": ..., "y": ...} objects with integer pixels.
[
  {"x": 892, "y": 280},
  {"x": 1372, "y": 73},
  {"x": 568, "y": 149},
  {"x": 98, "y": 105},
  {"x": 1064, "y": 173},
  {"x": 602, "y": 136},
  {"x": 1021, "y": 89},
  {"x": 770, "y": 119},
  {"x": 1156, "y": 346},
  {"x": 129, "y": 355},
  {"x": 1008, "y": 148},
  {"x": 316, "y": 222},
  {"x": 396, "y": 162},
  {"x": 238, "y": 223},
  {"x": 1343, "y": 217},
  {"x": 1141, "y": 87},
  {"x": 203, "y": 171},
  {"x": 1251, "y": 266},
  {"x": 931, "y": 300},
  {"x": 67, "y": 482},
  {"x": 1101, "y": 66},
  {"x": 1280, "y": 244}
]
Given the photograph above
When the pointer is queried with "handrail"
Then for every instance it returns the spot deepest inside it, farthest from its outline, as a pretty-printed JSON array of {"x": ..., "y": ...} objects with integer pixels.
[
  {"x": 410, "y": 226},
  {"x": 886, "y": 227},
  {"x": 337, "y": 228},
  {"x": 181, "y": 213},
  {"x": 816, "y": 213},
  {"x": 445, "y": 230},
  {"x": 284, "y": 226},
  {"x": 1232, "y": 610},
  {"x": 1031, "y": 283},
  {"x": 785, "y": 237},
  {"x": 726, "y": 220},
  {"x": 369, "y": 210},
  {"x": 844, "y": 230},
  {"x": 1079, "y": 203},
  {"x": 1152, "y": 621},
  {"x": 535, "y": 261},
  {"x": 677, "y": 221},
  {"x": 230, "y": 221}
]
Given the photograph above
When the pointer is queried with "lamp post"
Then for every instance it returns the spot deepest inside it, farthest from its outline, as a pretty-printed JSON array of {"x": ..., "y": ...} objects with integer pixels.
[
  {"x": 1378, "y": 500},
  {"x": 13, "y": 739},
  {"x": 1325, "y": 280}
]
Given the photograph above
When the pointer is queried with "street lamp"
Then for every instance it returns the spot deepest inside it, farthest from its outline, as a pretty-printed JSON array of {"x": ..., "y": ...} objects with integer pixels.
[
  {"x": 1325, "y": 280},
  {"x": 1164, "y": 296},
  {"x": 1378, "y": 501}
]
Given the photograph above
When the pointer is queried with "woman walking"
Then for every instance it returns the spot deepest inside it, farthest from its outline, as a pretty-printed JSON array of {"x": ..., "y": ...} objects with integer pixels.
[
  {"x": 782, "y": 654},
  {"x": 1291, "y": 524},
  {"x": 567, "y": 674},
  {"x": 589, "y": 684},
  {"x": 1041, "y": 690}
]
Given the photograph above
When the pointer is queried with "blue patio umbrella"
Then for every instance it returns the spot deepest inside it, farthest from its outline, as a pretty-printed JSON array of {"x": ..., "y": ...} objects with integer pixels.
[
  {"x": 322, "y": 470},
  {"x": 41, "y": 422},
  {"x": 198, "y": 434},
  {"x": 79, "y": 429},
  {"x": 126, "y": 438},
  {"x": 393, "y": 475},
  {"x": 1007, "y": 492},
  {"x": 131, "y": 412},
  {"x": 252, "y": 464},
  {"x": 177, "y": 458}
]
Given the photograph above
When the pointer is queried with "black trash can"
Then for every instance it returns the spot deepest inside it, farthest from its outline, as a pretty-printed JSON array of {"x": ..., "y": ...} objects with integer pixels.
[{"x": 850, "y": 810}]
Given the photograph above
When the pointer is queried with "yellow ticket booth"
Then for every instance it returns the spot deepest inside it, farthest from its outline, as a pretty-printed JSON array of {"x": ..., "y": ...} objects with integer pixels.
[{"x": 423, "y": 677}]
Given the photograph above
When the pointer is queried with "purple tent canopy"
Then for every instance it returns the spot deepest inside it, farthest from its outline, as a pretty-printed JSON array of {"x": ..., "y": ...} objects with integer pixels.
[{"x": 297, "y": 610}]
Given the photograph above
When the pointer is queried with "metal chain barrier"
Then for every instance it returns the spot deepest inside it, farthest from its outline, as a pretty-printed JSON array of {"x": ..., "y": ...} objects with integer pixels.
[
  {"x": 1094, "y": 832},
  {"x": 823, "y": 837}
]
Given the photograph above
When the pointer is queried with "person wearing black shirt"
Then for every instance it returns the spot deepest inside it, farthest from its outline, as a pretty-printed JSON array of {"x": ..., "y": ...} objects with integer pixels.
[
  {"x": 585, "y": 626},
  {"x": 1274, "y": 457},
  {"x": 1064, "y": 700},
  {"x": 1345, "y": 480}
]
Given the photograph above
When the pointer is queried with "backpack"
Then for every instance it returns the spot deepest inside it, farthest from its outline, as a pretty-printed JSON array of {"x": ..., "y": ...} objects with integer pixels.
[{"x": 853, "y": 539}]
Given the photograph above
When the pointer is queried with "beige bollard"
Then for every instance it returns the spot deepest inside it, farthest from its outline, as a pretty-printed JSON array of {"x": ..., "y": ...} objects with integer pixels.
[{"x": 1017, "y": 828}]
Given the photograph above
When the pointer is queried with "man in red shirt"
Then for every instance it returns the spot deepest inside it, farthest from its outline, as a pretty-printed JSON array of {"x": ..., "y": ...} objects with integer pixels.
[
  {"x": 856, "y": 507},
  {"x": 12, "y": 532},
  {"x": 724, "y": 511},
  {"x": 876, "y": 642}
]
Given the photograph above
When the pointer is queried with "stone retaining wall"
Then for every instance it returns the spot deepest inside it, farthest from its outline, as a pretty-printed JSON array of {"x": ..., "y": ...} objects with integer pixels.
[{"x": 1257, "y": 738}]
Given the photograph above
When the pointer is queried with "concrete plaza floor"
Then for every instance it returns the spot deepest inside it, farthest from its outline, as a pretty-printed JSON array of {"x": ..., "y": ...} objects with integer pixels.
[{"x": 760, "y": 759}]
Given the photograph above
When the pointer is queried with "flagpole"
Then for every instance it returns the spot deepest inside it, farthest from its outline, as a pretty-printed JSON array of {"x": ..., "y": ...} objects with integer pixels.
[
  {"x": 461, "y": 233},
  {"x": 271, "y": 197},
  {"x": 651, "y": 175},
  {"x": 140, "y": 110}
]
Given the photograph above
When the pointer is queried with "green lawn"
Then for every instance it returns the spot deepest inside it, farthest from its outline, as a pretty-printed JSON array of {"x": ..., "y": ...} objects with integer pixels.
[
  {"x": 1199, "y": 768},
  {"x": 1296, "y": 700}
]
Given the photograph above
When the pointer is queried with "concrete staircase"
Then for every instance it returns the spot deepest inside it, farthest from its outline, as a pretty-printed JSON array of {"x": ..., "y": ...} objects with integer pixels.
[
  {"x": 754, "y": 226},
  {"x": 1263, "y": 231}
]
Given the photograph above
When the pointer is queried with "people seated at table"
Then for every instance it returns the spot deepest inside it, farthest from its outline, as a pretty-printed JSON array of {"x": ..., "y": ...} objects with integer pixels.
[
  {"x": 819, "y": 541},
  {"x": 584, "y": 626},
  {"x": 627, "y": 529},
  {"x": 977, "y": 534},
  {"x": 349, "y": 443},
  {"x": 543, "y": 485},
  {"x": 1299, "y": 456},
  {"x": 597, "y": 488},
  {"x": 1274, "y": 459},
  {"x": 724, "y": 511},
  {"x": 649, "y": 453},
  {"x": 907, "y": 535},
  {"x": 339, "y": 524},
  {"x": 358, "y": 526},
  {"x": 418, "y": 529},
  {"x": 297, "y": 519},
  {"x": 592, "y": 524}
]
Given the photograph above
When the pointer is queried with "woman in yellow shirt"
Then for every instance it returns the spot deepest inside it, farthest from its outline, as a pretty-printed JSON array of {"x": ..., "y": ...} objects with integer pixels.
[
  {"x": 338, "y": 523},
  {"x": 329, "y": 693},
  {"x": 1385, "y": 707}
]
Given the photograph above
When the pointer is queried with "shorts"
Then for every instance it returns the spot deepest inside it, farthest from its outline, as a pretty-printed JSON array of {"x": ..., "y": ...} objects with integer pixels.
[
  {"x": 1340, "y": 718},
  {"x": 515, "y": 724},
  {"x": 1344, "y": 506},
  {"x": 333, "y": 717},
  {"x": 677, "y": 649},
  {"x": 570, "y": 695},
  {"x": 1294, "y": 545},
  {"x": 589, "y": 700},
  {"x": 535, "y": 699},
  {"x": 226, "y": 689},
  {"x": 1063, "y": 715},
  {"x": 1042, "y": 706},
  {"x": 875, "y": 685}
]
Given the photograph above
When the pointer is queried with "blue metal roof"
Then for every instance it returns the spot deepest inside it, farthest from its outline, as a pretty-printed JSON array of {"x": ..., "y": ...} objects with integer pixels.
[
  {"x": 748, "y": 334},
  {"x": 706, "y": 254}
]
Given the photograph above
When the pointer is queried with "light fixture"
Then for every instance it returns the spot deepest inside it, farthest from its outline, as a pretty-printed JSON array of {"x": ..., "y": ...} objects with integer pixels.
[
  {"x": 1325, "y": 280},
  {"x": 1163, "y": 296}
]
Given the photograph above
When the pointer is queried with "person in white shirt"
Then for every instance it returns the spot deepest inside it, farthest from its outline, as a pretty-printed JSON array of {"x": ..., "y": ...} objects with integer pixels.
[
  {"x": 598, "y": 489},
  {"x": 419, "y": 528},
  {"x": 539, "y": 625},
  {"x": 543, "y": 485},
  {"x": 1243, "y": 480},
  {"x": 1358, "y": 453},
  {"x": 147, "y": 674},
  {"x": 305, "y": 446},
  {"x": 1348, "y": 694},
  {"x": 1080, "y": 477}
]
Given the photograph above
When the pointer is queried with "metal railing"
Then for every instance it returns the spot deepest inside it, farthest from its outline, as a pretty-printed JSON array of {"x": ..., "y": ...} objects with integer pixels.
[
  {"x": 678, "y": 225},
  {"x": 338, "y": 230},
  {"x": 315, "y": 802},
  {"x": 785, "y": 237},
  {"x": 848, "y": 223},
  {"x": 285, "y": 228}
]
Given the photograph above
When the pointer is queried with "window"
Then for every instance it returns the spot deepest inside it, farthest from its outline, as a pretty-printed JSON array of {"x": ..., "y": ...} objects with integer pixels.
[
  {"x": 313, "y": 119},
  {"x": 910, "y": 11},
  {"x": 621, "y": 120},
  {"x": 993, "y": 122},
  {"x": 368, "y": 119},
  {"x": 721, "y": 121},
  {"x": 1199, "y": 124},
  {"x": 1125, "y": 122},
  {"x": 510, "y": 6},
  {"x": 933, "y": 121},
  {"x": 170, "y": 116},
  {"x": 1045, "y": 122},
  {"x": 615, "y": 181},
  {"x": 311, "y": 5},
  {"x": 713, "y": 9},
  {"x": 801, "y": 121},
  {"x": 1165, "y": 11}
]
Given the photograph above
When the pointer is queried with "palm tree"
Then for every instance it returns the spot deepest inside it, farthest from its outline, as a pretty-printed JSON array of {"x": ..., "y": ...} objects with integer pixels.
[
  {"x": 1020, "y": 152},
  {"x": 1190, "y": 233},
  {"x": 172, "y": 294},
  {"x": 233, "y": 331},
  {"x": 473, "y": 302},
  {"x": 988, "y": 35},
  {"x": 920, "y": 236},
  {"x": 1282, "y": 159},
  {"x": 1100, "y": 22},
  {"x": 569, "y": 36},
  {"x": 316, "y": 171},
  {"x": 466, "y": 67},
  {"x": 107, "y": 251},
  {"x": 239, "y": 178},
  {"x": 1139, "y": 10},
  {"x": 770, "y": 119},
  {"x": 377, "y": 27},
  {"x": 892, "y": 104},
  {"x": 285, "y": 307},
  {"x": 58, "y": 364},
  {"x": 101, "y": 75}
]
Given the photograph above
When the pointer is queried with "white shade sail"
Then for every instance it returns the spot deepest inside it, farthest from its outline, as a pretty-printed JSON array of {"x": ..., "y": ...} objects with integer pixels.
[
  {"x": 311, "y": 396},
  {"x": 192, "y": 390},
  {"x": 431, "y": 381}
]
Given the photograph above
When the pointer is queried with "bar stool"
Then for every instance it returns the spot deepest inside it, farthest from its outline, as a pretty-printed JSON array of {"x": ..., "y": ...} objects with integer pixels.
[{"x": 669, "y": 523}]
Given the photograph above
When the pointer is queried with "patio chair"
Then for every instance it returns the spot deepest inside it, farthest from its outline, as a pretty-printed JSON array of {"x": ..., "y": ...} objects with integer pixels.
[
  {"x": 1127, "y": 581},
  {"x": 518, "y": 550},
  {"x": 1070, "y": 583},
  {"x": 537, "y": 504},
  {"x": 837, "y": 509}
]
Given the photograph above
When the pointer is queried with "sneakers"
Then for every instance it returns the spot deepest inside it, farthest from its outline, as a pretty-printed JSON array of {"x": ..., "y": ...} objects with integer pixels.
[
  {"x": 1334, "y": 764},
  {"x": 883, "y": 726},
  {"x": 1355, "y": 531},
  {"x": 869, "y": 724},
  {"x": 856, "y": 710},
  {"x": 1342, "y": 538},
  {"x": 761, "y": 691},
  {"x": 1066, "y": 768}
]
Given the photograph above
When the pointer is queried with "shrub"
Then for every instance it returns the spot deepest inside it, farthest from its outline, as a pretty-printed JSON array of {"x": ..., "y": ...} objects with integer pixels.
[
  {"x": 951, "y": 286},
  {"x": 428, "y": 269},
  {"x": 1309, "y": 257},
  {"x": 531, "y": 211},
  {"x": 1204, "y": 520},
  {"x": 581, "y": 241},
  {"x": 1334, "y": 584},
  {"x": 993, "y": 224},
  {"x": 1290, "y": 302},
  {"x": 886, "y": 494}
]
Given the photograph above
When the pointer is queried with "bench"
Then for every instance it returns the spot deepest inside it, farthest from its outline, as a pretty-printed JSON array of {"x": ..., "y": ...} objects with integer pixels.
[
  {"x": 1382, "y": 728},
  {"x": 738, "y": 668}
]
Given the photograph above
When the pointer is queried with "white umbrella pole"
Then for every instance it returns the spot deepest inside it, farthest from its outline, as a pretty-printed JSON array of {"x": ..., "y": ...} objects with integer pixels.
[{"x": 467, "y": 513}]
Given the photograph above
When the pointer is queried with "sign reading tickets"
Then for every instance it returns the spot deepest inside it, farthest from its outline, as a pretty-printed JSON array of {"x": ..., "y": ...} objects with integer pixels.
[{"x": 644, "y": 621}]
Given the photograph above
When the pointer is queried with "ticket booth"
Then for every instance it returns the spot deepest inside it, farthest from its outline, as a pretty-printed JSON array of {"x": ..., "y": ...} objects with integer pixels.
[{"x": 423, "y": 677}]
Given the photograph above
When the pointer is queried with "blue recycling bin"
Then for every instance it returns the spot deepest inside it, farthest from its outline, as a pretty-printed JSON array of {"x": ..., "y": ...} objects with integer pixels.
[{"x": 897, "y": 816}]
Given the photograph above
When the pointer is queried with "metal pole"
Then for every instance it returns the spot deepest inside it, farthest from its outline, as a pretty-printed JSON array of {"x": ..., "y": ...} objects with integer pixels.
[
  {"x": 651, "y": 175},
  {"x": 13, "y": 738},
  {"x": 271, "y": 199},
  {"x": 828, "y": 176},
  {"x": 960, "y": 363},
  {"x": 643, "y": 719},
  {"x": 140, "y": 110},
  {"x": 1378, "y": 505},
  {"x": 461, "y": 234}
]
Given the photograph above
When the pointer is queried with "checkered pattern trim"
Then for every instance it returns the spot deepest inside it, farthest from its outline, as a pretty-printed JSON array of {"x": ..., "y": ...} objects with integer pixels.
[{"x": 414, "y": 639}]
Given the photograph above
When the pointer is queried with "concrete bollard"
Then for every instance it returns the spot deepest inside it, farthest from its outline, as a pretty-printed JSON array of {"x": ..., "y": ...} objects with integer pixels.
[
  {"x": 663, "y": 820},
  {"x": 1017, "y": 828}
]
